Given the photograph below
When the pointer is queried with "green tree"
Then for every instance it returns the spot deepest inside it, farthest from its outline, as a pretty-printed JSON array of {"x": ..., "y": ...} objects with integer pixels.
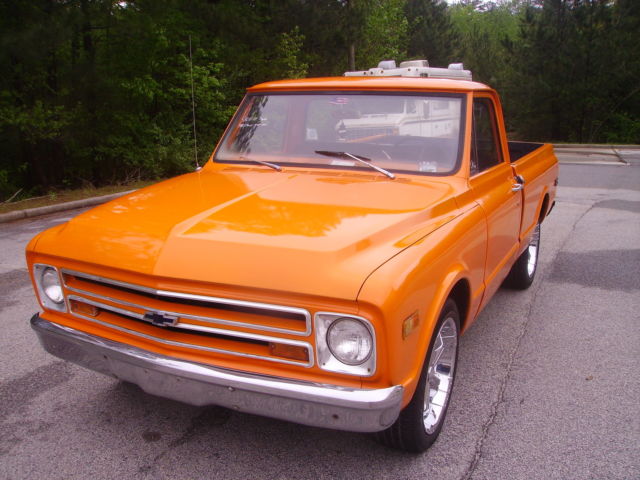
[
  {"x": 578, "y": 82},
  {"x": 431, "y": 35},
  {"x": 33, "y": 116},
  {"x": 99, "y": 91},
  {"x": 619, "y": 121},
  {"x": 385, "y": 34},
  {"x": 288, "y": 57},
  {"x": 483, "y": 31}
]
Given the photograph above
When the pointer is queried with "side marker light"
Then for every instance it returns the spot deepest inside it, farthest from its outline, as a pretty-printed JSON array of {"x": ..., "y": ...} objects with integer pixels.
[{"x": 410, "y": 323}]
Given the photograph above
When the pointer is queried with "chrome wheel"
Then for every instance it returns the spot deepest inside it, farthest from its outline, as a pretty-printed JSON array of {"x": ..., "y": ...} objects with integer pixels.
[
  {"x": 420, "y": 422},
  {"x": 524, "y": 269},
  {"x": 532, "y": 250},
  {"x": 441, "y": 369}
]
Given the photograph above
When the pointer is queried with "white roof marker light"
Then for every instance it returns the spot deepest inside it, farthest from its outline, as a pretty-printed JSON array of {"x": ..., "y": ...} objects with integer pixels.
[{"x": 414, "y": 68}]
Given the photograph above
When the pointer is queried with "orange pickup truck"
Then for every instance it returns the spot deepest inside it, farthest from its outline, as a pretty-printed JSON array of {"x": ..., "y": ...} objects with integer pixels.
[{"x": 322, "y": 264}]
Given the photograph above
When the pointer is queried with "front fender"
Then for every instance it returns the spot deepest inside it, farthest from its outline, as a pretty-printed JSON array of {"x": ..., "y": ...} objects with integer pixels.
[{"x": 418, "y": 281}]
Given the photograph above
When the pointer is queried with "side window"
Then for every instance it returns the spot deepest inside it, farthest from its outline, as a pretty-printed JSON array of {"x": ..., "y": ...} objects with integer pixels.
[{"x": 485, "y": 142}]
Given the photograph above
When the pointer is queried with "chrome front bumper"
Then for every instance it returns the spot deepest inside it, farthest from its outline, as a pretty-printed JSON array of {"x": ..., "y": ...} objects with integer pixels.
[{"x": 320, "y": 405}]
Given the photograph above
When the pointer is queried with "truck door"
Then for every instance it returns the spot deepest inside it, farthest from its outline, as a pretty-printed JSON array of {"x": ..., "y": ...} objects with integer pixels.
[{"x": 491, "y": 182}]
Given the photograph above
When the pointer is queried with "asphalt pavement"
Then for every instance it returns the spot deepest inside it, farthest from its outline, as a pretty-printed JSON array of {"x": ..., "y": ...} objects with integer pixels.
[
  {"x": 598, "y": 154},
  {"x": 548, "y": 385}
]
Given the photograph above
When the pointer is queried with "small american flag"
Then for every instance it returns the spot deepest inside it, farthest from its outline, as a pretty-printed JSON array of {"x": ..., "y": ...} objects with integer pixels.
[{"x": 339, "y": 101}]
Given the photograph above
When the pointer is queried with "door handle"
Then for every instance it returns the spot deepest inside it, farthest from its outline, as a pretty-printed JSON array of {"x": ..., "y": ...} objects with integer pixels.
[{"x": 519, "y": 185}]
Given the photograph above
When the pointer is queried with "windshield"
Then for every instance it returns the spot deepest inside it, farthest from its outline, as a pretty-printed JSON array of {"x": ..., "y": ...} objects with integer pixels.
[{"x": 402, "y": 133}]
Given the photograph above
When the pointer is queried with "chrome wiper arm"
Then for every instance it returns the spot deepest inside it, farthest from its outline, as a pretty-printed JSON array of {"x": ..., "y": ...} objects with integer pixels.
[
  {"x": 268, "y": 164},
  {"x": 369, "y": 164},
  {"x": 362, "y": 160}
]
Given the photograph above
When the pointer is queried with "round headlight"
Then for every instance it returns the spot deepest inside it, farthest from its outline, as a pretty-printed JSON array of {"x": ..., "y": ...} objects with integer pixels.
[
  {"x": 51, "y": 287},
  {"x": 350, "y": 341}
]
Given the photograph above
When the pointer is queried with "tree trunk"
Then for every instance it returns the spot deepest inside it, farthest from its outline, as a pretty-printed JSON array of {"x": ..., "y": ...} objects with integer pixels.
[{"x": 352, "y": 57}]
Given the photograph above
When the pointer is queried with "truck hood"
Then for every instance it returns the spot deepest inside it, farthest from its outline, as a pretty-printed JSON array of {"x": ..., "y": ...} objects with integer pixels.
[{"x": 318, "y": 233}]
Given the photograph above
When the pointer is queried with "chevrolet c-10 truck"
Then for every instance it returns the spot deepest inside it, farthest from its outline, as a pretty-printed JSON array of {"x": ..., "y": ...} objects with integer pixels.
[{"x": 320, "y": 267}]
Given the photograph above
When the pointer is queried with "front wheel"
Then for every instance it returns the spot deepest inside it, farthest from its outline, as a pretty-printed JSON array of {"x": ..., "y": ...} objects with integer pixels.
[
  {"x": 524, "y": 270},
  {"x": 420, "y": 422}
]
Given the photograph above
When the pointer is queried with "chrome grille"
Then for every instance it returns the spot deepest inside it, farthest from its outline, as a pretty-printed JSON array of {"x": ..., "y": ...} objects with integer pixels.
[{"x": 197, "y": 317}]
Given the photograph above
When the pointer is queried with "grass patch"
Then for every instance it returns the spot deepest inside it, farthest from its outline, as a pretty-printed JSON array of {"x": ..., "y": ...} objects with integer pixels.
[{"x": 62, "y": 196}]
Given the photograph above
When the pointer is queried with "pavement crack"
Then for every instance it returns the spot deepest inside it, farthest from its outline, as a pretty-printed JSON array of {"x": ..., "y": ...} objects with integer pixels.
[
  {"x": 468, "y": 473},
  {"x": 207, "y": 419},
  {"x": 203, "y": 422},
  {"x": 500, "y": 397}
]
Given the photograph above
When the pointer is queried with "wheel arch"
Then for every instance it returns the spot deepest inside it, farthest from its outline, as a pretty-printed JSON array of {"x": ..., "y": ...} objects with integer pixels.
[
  {"x": 458, "y": 289},
  {"x": 461, "y": 295},
  {"x": 544, "y": 208}
]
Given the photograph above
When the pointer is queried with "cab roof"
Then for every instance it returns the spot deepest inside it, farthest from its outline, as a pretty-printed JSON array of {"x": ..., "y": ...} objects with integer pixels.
[{"x": 371, "y": 83}]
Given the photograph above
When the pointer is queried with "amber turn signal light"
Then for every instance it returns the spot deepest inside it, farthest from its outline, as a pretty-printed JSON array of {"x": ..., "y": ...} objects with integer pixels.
[
  {"x": 83, "y": 308},
  {"x": 293, "y": 352},
  {"x": 410, "y": 323}
]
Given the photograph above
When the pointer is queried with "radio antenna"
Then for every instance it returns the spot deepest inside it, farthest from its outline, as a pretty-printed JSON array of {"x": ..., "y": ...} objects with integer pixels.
[{"x": 193, "y": 108}]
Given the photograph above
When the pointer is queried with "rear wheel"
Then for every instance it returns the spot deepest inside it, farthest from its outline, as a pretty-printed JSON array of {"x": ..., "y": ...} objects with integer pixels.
[
  {"x": 420, "y": 422},
  {"x": 524, "y": 270}
]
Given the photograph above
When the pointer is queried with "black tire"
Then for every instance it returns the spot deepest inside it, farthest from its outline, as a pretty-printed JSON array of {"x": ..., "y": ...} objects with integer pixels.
[
  {"x": 524, "y": 270},
  {"x": 410, "y": 432}
]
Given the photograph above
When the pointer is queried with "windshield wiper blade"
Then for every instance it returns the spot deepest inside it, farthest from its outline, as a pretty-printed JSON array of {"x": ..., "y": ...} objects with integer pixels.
[
  {"x": 268, "y": 164},
  {"x": 360, "y": 159}
]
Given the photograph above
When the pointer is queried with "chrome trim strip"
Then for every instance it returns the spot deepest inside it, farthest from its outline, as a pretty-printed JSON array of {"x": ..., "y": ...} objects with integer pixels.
[
  {"x": 202, "y": 298},
  {"x": 216, "y": 320},
  {"x": 237, "y": 303},
  {"x": 121, "y": 311},
  {"x": 108, "y": 299},
  {"x": 315, "y": 404},
  {"x": 116, "y": 283},
  {"x": 190, "y": 326},
  {"x": 172, "y": 343}
]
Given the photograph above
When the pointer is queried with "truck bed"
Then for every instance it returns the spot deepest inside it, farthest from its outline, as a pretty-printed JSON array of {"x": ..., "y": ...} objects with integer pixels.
[{"x": 517, "y": 150}]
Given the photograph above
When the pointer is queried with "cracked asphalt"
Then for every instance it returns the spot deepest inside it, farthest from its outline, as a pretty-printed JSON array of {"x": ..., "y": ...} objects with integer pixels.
[{"x": 548, "y": 384}]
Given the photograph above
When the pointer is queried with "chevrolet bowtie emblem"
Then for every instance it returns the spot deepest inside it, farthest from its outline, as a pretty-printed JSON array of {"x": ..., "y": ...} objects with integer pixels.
[{"x": 161, "y": 319}]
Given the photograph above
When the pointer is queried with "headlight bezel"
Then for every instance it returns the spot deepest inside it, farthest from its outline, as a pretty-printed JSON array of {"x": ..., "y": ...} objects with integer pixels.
[
  {"x": 39, "y": 271},
  {"x": 327, "y": 360}
]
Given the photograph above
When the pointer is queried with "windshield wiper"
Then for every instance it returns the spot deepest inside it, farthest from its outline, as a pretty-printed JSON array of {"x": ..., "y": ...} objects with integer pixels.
[
  {"x": 268, "y": 164},
  {"x": 360, "y": 159}
]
